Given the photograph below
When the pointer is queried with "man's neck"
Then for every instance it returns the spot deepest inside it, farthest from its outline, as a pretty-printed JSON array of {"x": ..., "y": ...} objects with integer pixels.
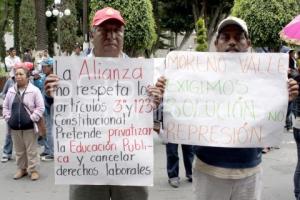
[{"x": 100, "y": 54}]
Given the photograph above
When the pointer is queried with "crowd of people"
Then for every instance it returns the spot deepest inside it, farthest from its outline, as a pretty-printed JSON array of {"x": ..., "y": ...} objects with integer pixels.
[
  {"x": 36, "y": 70},
  {"x": 217, "y": 173}
]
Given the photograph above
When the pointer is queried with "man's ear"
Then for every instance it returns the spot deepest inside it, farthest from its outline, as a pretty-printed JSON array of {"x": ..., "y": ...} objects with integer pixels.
[
  {"x": 91, "y": 34},
  {"x": 249, "y": 43},
  {"x": 216, "y": 42}
]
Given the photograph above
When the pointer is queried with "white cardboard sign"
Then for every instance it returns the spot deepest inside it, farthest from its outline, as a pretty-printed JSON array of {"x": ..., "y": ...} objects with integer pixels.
[
  {"x": 225, "y": 99},
  {"x": 103, "y": 122}
]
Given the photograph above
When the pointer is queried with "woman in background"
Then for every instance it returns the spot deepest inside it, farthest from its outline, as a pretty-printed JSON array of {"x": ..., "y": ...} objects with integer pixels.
[{"x": 24, "y": 105}]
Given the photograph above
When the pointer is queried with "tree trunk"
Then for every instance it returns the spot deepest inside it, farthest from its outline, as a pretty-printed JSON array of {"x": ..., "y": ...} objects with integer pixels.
[
  {"x": 17, "y": 6},
  {"x": 196, "y": 11},
  {"x": 3, "y": 24},
  {"x": 85, "y": 21},
  {"x": 186, "y": 37},
  {"x": 41, "y": 29},
  {"x": 213, "y": 22}
]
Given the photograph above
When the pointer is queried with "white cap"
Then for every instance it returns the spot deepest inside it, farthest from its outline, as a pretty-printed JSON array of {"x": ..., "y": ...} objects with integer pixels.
[{"x": 233, "y": 21}]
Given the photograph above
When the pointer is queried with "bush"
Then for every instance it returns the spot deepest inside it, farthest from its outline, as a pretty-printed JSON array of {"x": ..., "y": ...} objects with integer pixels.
[{"x": 201, "y": 35}]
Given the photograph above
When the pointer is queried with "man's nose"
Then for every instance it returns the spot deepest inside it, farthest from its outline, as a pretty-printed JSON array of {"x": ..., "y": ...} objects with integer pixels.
[
  {"x": 232, "y": 41},
  {"x": 111, "y": 34}
]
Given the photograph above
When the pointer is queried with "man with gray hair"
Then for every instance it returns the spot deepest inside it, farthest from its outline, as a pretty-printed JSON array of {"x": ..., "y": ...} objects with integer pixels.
[{"x": 108, "y": 38}]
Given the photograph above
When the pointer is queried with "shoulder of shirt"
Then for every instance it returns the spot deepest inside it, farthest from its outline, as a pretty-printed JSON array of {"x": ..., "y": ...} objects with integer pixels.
[{"x": 91, "y": 54}]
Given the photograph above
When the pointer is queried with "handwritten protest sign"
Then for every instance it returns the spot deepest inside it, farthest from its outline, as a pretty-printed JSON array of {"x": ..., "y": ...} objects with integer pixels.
[
  {"x": 225, "y": 99},
  {"x": 103, "y": 121}
]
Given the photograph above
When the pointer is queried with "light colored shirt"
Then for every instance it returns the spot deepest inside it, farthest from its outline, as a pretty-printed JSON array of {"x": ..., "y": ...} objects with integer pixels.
[
  {"x": 11, "y": 61},
  {"x": 122, "y": 55},
  {"x": 225, "y": 173},
  {"x": 76, "y": 55}
]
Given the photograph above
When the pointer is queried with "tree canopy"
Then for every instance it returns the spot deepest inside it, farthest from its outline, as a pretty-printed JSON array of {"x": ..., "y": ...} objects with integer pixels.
[
  {"x": 68, "y": 28},
  {"x": 265, "y": 19},
  {"x": 28, "y": 27}
]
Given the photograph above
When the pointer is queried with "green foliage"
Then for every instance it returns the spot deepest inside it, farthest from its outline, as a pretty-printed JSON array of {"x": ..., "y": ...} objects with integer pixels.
[
  {"x": 16, "y": 25},
  {"x": 28, "y": 27},
  {"x": 140, "y": 26},
  {"x": 2, "y": 21},
  {"x": 68, "y": 28},
  {"x": 201, "y": 35},
  {"x": 266, "y": 19},
  {"x": 176, "y": 15},
  {"x": 3, "y": 73}
]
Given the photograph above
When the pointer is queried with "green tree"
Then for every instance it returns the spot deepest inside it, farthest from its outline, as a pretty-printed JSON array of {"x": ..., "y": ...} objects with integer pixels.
[
  {"x": 182, "y": 16},
  {"x": 68, "y": 28},
  {"x": 175, "y": 16},
  {"x": 140, "y": 26},
  {"x": 16, "y": 23},
  {"x": 213, "y": 11},
  {"x": 3, "y": 24},
  {"x": 28, "y": 29},
  {"x": 41, "y": 30},
  {"x": 265, "y": 19},
  {"x": 201, "y": 35}
]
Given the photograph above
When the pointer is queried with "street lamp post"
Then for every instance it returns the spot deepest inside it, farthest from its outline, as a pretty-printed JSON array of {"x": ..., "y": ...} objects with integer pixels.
[{"x": 58, "y": 10}]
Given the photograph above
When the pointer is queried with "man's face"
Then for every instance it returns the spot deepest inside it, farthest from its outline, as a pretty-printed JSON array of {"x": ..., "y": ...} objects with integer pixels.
[
  {"x": 77, "y": 50},
  {"x": 13, "y": 53},
  {"x": 108, "y": 39},
  {"x": 292, "y": 54},
  {"x": 47, "y": 69},
  {"x": 232, "y": 39}
]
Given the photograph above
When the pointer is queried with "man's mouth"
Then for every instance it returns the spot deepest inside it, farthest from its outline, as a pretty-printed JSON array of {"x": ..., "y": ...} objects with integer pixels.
[{"x": 232, "y": 50}]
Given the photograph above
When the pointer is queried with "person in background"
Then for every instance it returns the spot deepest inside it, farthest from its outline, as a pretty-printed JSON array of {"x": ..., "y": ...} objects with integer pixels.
[
  {"x": 8, "y": 144},
  {"x": 298, "y": 60},
  {"x": 22, "y": 107},
  {"x": 48, "y": 152},
  {"x": 38, "y": 61},
  {"x": 296, "y": 133},
  {"x": 293, "y": 72},
  {"x": 27, "y": 56},
  {"x": 295, "y": 110},
  {"x": 45, "y": 54},
  {"x": 172, "y": 153},
  {"x": 173, "y": 162},
  {"x": 12, "y": 59},
  {"x": 292, "y": 60},
  {"x": 38, "y": 79},
  {"x": 77, "y": 51}
]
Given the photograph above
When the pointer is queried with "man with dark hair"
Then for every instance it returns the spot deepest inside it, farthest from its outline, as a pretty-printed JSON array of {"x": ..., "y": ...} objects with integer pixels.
[
  {"x": 27, "y": 56},
  {"x": 77, "y": 51},
  {"x": 12, "y": 59},
  {"x": 230, "y": 173}
]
